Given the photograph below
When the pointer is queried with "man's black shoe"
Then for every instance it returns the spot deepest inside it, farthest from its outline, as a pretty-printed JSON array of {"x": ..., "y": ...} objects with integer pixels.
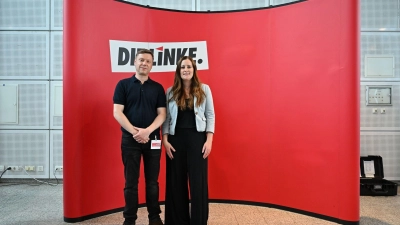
[
  {"x": 156, "y": 222},
  {"x": 128, "y": 223}
]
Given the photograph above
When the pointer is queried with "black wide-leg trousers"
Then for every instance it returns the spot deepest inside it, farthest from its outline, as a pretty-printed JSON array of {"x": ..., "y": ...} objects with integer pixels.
[{"x": 187, "y": 165}]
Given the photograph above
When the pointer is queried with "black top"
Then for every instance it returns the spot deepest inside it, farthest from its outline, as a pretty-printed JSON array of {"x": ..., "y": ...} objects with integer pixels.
[
  {"x": 140, "y": 101},
  {"x": 186, "y": 118}
]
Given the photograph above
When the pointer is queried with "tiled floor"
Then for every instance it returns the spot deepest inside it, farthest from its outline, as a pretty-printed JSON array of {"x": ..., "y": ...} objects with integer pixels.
[{"x": 39, "y": 205}]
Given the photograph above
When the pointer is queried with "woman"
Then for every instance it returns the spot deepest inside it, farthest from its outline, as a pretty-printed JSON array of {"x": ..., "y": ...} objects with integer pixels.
[{"x": 187, "y": 137}]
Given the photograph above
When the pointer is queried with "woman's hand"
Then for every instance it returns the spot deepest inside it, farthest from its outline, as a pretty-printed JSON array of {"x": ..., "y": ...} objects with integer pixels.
[
  {"x": 207, "y": 146},
  {"x": 206, "y": 149},
  {"x": 168, "y": 148}
]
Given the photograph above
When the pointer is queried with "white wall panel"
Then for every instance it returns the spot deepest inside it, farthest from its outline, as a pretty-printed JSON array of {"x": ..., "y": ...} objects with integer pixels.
[
  {"x": 379, "y": 15},
  {"x": 212, "y": 5},
  {"x": 33, "y": 105},
  {"x": 25, "y": 148},
  {"x": 56, "y": 55},
  {"x": 390, "y": 119},
  {"x": 57, "y": 14},
  {"x": 9, "y": 104},
  {"x": 225, "y": 5},
  {"x": 387, "y": 145},
  {"x": 56, "y": 103},
  {"x": 380, "y": 132},
  {"x": 24, "y": 55},
  {"x": 187, "y": 5},
  {"x": 56, "y": 153},
  {"x": 281, "y": 2},
  {"x": 24, "y": 14},
  {"x": 380, "y": 43}
]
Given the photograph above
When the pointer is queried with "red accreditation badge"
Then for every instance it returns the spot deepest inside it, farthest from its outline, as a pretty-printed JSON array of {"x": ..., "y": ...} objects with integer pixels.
[{"x": 156, "y": 144}]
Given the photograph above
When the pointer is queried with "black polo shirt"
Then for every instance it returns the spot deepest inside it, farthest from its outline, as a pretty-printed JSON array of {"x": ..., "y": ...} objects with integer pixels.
[{"x": 140, "y": 101}]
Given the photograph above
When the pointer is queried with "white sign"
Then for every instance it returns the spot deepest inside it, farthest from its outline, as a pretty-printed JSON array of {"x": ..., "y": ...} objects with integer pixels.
[
  {"x": 369, "y": 168},
  {"x": 166, "y": 54}
]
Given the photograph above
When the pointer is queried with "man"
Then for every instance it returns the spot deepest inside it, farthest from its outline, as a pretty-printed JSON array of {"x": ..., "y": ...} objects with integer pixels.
[{"x": 140, "y": 109}]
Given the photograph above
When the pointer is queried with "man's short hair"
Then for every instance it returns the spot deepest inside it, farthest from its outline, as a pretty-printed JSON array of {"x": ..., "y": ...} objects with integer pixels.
[{"x": 145, "y": 51}]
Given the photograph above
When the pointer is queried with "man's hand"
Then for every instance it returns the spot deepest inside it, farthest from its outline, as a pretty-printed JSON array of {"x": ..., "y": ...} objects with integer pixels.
[{"x": 142, "y": 136}]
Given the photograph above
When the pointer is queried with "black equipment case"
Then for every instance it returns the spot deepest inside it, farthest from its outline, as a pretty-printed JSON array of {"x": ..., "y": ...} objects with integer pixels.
[{"x": 376, "y": 185}]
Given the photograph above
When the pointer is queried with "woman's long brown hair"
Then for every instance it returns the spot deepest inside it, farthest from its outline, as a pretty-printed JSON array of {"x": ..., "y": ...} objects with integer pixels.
[{"x": 178, "y": 92}]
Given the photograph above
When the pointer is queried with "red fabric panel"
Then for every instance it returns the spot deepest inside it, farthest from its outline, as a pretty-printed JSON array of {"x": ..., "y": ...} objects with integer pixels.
[{"x": 286, "y": 93}]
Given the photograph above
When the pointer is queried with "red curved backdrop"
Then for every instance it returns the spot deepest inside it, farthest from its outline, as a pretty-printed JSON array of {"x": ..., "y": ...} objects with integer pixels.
[{"x": 286, "y": 93}]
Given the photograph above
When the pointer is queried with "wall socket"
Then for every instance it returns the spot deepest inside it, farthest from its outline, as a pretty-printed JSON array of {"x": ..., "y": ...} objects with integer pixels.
[
  {"x": 58, "y": 168},
  {"x": 29, "y": 168},
  {"x": 40, "y": 168},
  {"x": 2, "y": 167},
  {"x": 16, "y": 168}
]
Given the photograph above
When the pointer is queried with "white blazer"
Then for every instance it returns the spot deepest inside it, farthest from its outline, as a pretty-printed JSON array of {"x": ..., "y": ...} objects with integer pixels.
[{"x": 205, "y": 116}]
